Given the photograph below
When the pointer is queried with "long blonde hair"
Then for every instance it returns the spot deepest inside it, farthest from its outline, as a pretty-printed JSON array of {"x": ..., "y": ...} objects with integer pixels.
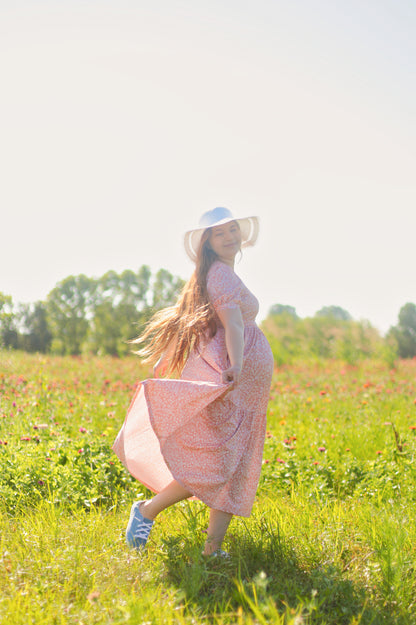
[{"x": 188, "y": 320}]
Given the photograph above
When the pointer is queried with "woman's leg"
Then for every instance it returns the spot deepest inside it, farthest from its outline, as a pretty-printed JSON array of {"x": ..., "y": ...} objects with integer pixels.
[
  {"x": 218, "y": 525},
  {"x": 171, "y": 494},
  {"x": 174, "y": 492}
]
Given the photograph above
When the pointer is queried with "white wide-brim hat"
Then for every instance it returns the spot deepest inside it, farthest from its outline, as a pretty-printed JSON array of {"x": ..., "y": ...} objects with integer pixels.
[{"x": 249, "y": 227}]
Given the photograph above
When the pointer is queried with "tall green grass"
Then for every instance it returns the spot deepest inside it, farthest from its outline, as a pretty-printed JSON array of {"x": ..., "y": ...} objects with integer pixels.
[{"x": 332, "y": 535}]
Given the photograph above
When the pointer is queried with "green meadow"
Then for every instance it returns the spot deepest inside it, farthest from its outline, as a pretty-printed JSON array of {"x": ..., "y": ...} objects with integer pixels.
[{"x": 332, "y": 537}]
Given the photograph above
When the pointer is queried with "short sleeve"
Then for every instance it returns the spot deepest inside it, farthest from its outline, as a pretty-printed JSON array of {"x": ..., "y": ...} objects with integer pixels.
[{"x": 224, "y": 287}]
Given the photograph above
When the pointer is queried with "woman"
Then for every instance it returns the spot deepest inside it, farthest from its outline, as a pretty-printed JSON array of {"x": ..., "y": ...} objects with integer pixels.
[{"x": 202, "y": 435}]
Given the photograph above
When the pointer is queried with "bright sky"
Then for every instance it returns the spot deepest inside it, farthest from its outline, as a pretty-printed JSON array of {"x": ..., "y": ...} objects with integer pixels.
[{"x": 122, "y": 121}]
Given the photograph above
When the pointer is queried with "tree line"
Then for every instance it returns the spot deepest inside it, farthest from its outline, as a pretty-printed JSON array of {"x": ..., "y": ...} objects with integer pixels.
[
  {"x": 333, "y": 333},
  {"x": 100, "y": 315},
  {"x": 83, "y": 314}
]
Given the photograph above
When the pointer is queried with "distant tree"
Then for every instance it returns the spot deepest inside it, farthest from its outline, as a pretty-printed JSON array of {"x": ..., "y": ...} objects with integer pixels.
[
  {"x": 8, "y": 332},
  {"x": 36, "y": 335},
  {"x": 89, "y": 314},
  {"x": 321, "y": 331},
  {"x": 135, "y": 286},
  {"x": 283, "y": 309},
  {"x": 119, "y": 302},
  {"x": 166, "y": 288},
  {"x": 69, "y": 306},
  {"x": 124, "y": 302},
  {"x": 405, "y": 331},
  {"x": 322, "y": 337},
  {"x": 284, "y": 333},
  {"x": 335, "y": 312},
  {"x": 104, "y": 336}
]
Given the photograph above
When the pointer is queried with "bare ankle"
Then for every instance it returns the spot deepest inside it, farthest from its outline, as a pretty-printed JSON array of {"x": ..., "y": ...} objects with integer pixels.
[
  {"x": 146, "y": 511},
  {"x": 210, "y": 547}
]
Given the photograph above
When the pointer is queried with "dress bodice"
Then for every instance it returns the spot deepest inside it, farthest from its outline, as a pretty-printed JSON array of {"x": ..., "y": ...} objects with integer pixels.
[{"x": 226, "y": 290}]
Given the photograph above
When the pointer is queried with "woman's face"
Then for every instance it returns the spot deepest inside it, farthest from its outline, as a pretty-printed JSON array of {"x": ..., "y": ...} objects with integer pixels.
[{"x": 225, "y": 241}]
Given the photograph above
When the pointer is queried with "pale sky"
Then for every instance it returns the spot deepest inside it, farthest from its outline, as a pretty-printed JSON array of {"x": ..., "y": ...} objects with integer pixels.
[{"x": 122, "y": 121}]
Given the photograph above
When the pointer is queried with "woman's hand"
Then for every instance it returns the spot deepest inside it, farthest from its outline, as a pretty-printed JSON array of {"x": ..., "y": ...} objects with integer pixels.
[
  {"x": 231, "y": 375},
  {"x": 161, "y": 367}
]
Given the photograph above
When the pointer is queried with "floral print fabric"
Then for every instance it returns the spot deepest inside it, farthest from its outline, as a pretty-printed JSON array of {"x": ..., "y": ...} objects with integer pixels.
[{"x": 197, "y": 431}]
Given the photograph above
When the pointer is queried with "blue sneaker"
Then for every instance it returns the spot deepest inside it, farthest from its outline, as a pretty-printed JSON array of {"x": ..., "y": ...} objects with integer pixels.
[
  {"x": 138, "y": 528},
  {"x": 220, "y": 553}
]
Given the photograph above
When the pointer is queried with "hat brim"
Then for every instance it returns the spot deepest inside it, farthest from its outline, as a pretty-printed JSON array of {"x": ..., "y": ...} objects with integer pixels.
[{"x": 249, "y": 227}]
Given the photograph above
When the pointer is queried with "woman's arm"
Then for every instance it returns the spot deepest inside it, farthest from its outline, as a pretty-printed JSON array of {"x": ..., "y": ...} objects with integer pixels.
[{"x": 233, "y": 324}]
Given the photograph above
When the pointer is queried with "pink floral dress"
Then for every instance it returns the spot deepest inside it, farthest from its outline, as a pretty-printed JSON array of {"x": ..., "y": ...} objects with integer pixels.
[{"x": 195, "y": 430}]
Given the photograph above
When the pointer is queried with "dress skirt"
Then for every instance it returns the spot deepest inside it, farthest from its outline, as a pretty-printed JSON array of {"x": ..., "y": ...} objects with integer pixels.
[{"x": 207, "y": 435}]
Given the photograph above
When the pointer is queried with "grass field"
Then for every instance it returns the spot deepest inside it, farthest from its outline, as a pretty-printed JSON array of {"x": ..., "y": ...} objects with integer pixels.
[{"x": 332, "y": 537}]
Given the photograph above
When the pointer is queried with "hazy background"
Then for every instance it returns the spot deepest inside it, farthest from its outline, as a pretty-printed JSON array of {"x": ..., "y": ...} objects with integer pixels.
[{"x": 121, "y": 122}]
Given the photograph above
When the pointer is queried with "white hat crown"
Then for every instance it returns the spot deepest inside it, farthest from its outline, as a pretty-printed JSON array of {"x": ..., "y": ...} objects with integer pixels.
[{"x": 215, "y": 216}]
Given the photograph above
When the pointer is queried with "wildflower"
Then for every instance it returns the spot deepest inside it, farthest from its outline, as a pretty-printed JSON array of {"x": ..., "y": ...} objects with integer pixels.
[
  {"x": 81, "y": 451},
  {"x": 322, "y": 392},
  {"x": 82, "y": 430},
  {"x": 93, "y": 596},
  {"x": 321, "y": 449},
  {"x": 315, "y": 462},
  {"x": 25, "y": 438},
  {"x": 378, "y": 452},
  {"x": 412, "y": 427},
  {"x": 280, "y": 461},
  {"x": 290, "y": 442}
]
